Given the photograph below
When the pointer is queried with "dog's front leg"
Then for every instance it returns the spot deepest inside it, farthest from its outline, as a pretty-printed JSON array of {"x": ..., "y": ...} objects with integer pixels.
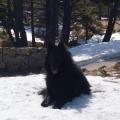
[{"x": 47, "y": 101}]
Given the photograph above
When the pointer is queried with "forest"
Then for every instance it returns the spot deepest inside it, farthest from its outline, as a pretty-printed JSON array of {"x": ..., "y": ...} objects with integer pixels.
[{"x": 57, "y": 20}]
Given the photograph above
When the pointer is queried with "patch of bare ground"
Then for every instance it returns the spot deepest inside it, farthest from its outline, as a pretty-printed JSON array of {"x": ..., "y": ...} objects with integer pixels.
[
  {"x": 104, "y": 22},
  {"x": 104, "y": 69}
]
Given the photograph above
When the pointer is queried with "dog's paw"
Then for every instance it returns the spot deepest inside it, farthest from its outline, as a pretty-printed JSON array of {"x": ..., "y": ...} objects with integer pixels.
[{"x": 47, "y": 102}]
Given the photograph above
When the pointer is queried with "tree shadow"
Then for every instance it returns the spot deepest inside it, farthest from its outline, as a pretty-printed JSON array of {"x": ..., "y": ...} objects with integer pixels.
[
  {"x": 78, "y": 103},
  {"x": 5, "y": 73}
]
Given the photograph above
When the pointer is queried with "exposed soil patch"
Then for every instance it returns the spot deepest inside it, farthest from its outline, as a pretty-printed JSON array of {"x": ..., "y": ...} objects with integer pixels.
[{"x": 105, "y": 68}]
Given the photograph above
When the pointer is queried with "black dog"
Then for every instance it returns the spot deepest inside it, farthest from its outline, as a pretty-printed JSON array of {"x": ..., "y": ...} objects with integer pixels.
[{"x": 65, "y": 80}]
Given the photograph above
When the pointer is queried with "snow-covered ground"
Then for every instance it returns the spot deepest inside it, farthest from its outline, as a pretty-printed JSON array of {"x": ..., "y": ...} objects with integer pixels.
[
  {"x": 98, "y": 38},
  {"x": 95, "y": 52},
  {"x": 19, "y": 99},
  {"x": 29, "y": 34}
]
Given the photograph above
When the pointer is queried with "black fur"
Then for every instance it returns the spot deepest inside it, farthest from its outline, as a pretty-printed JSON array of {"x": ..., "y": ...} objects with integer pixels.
[{"x": 64, "y": 80}]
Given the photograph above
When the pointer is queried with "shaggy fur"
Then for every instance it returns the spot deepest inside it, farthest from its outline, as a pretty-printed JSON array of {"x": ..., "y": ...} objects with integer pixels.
[{"x": 64, "y": 80}]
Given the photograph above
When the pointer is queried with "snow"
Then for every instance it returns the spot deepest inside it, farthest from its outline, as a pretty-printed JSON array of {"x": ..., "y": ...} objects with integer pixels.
[
  {"x": 95, "y": 52},
  {"x": 29, "y": 34},
  {"x": 98, "y": 38},
  {"x": 19, "y": 99}
]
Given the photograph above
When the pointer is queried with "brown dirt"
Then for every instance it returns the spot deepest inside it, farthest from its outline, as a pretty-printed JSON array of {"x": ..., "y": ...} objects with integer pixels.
[
  {"x": 105, "y": 68},
  {"x": 116, "y": 27}
]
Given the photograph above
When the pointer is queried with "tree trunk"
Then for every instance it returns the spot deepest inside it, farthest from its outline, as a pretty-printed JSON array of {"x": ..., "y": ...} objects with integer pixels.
[
  {"x": 20, "y": 34},
  {"x": 86, "y": 32},
  {"x": 9, "y": 21},
  {"x": 66, "y": 21},
  {"x": 32, "y": 24},
  {"x": 51, "y": 21},
  {"x": 112, "y": 20},
  {"x": 99, "y": 11}
]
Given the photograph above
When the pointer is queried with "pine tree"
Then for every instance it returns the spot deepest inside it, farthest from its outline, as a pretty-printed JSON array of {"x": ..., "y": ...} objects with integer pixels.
[
  {"x": 66, "y": 21},
  {"x": 84, "y": 17},
  {"x": 32, "y": 23},
  {"x": 20, "y": 34},
  {"x": 51, "y": 21},
  {"x": 112, "y": 20}
]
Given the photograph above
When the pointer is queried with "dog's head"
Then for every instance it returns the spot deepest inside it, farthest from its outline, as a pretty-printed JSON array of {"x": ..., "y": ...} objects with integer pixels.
[{"x": 55, "y": 57}]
